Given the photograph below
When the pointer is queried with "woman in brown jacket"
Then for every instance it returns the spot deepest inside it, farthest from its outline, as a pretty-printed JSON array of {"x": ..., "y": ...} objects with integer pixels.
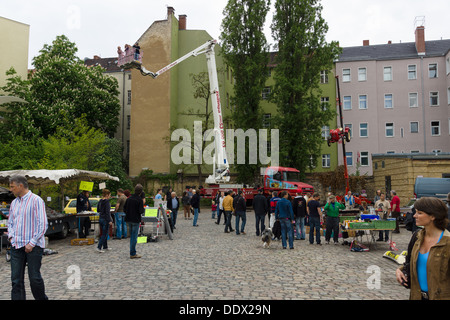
[{"x": 429, "y": 270}]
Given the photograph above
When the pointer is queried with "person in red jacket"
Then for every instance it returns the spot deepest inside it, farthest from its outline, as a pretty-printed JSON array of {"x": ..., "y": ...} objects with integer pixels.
[{"x": 395, "y": 209}]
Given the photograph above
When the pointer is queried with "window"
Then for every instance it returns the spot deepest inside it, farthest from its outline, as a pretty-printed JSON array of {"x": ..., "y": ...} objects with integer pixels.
[
  {"x": 364, "y": 158},
  {"x": 266, "y": 93},
  {"x": 346, "y": 75},
  {"x": 362, "y": 74},
  {"x": 363, "y": 101},
  {"x": 325, "y": 103},
  {"x": 447, "y": 65},
  {"x": 350, "y": 128},
  {"x": 266, "y": 120},
  {"x": 129, "y": 97},
  {"x": 389, "y": 129},
  {"x": 412, "y": 72},
  {"x": 128, "y": 121},
  {"x": 388, "y": 101},
  {"x": 324, "y": 76},
  {"x": 349, "y": 157},
  {"x": 432, "y": 70},
  {"x": 326, "y": 161},
  {"x": 435, "y": 128},
  {"x": 434, "y": 99},
  {"x": 325, "y": 132},
  {"x": 413, "y": 100},
  {"x": 387, "y": 73},
  {"x": 414, "y": 127},
  {"x": 347, "y": 103},
  {"x": 363, "y": 130}
]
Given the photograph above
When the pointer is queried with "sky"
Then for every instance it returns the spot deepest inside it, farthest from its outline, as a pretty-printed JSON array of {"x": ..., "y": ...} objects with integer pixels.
[{"x": 98, "y": 26}]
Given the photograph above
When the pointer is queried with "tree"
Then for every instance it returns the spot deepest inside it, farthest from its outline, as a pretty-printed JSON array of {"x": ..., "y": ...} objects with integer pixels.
[
  {"x": 300, "y": 30},
  {"x": 60, "y": 90},
  {"x": 245, "y": 50}
]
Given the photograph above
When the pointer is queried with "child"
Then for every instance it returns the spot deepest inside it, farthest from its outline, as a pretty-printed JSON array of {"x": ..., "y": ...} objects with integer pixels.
[{"x": 213, "y": 210}]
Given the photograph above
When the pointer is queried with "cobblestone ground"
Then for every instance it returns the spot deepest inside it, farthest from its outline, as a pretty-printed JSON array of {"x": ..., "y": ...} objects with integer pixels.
[{"x": 204, "y": 263}]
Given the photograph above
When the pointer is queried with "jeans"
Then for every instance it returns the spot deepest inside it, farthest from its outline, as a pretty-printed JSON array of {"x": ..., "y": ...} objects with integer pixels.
[
  {"x": 314, "y": 223},
  {"x": 332, "y": 224},
  {"x": 300, "y": 227},
  {"x": 286, "y": 230},
  {"x": 194, "y": 223},
  {"x": 240, "y": 215},
  {"x": 228, "y": 221},
  {"x": 260, "y": 222},
  {"x": 219, "y": 214},
  {"x": 19, "y": 259},
  {"x": 386, "y": 235},
  {"x": 104, "y": 226},
  {"x": 84, "y": 224},
  {"x": 134, "y": 231},
  {"x": 174, "y": 215},
  {"x": 121, "y": 226}
]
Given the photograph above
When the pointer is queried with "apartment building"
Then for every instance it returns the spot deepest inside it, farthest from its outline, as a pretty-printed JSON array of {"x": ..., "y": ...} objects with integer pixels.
[
  {"x": 167, "y": 102},
  {"x": 14, "y": 39},
  {"x": 395, "y": 99}
]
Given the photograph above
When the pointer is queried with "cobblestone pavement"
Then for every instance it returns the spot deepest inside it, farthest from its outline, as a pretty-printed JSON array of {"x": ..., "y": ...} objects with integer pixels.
[{"x": 204, "y": 263}]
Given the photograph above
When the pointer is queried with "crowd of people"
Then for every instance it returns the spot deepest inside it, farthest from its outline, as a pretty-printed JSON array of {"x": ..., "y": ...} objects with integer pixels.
[{"x": 425, "y": 272}]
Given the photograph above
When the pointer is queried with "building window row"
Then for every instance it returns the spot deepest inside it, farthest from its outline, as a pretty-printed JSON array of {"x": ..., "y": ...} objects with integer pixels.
[
  {"x": 413, "y": 100},
  {"x": 390, "y": 129},
  {"x": 388, "y": 72}
]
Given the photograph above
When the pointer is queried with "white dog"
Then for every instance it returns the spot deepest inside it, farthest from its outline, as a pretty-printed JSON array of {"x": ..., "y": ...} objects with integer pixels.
[{"x": 266, "y": 237}]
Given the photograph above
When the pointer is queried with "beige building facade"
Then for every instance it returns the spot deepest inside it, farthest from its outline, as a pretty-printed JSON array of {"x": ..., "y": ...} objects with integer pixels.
[
  {"x": 399, "y": 171},
  {"x": 14, "y": 40}
]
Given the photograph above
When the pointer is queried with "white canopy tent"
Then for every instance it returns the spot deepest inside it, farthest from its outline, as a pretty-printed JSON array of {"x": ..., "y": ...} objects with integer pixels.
[{"x": 48, "y": 177}]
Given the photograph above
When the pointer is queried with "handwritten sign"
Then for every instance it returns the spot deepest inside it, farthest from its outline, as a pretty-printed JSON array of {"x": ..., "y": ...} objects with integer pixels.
[{"x": 86, "y": 186}]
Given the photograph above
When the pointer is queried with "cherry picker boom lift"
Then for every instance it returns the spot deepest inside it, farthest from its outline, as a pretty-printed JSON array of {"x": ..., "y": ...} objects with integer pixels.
[{"x": 221, "y": 168}]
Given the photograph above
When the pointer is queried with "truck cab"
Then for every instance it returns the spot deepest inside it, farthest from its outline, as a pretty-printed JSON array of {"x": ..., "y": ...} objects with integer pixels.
[{"x": 283, "y": 178}]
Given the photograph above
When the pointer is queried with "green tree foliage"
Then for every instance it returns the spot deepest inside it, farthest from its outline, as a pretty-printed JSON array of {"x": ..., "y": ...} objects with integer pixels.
[
  {"x": 60, "y": 90},
  {"x": 300, "y": 31},
  {"x": 245, "y": 50},
  {"x": 81, "y": 148}
]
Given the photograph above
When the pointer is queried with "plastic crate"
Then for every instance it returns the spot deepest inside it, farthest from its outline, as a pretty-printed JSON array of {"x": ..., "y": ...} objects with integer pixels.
[
  {"x": 361, "y": 225},
  {"x": 385, "y": 224}
]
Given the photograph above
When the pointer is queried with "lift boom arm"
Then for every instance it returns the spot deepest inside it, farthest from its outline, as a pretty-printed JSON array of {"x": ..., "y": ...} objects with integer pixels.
[{"x": 221, "y": 166}]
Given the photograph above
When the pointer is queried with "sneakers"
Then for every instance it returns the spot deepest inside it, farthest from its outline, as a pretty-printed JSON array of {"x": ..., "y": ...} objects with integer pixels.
[
  {"x": 99, "y": 250},
  {"x": 136, "y": 256}
]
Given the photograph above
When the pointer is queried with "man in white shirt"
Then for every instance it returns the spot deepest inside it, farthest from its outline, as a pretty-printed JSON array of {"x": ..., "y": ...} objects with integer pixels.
[{"x": 27, "y": 224}]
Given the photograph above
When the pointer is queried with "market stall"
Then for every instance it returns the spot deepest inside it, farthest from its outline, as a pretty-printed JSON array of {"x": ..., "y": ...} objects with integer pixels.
[
  {"x": 366, "y": 228},
  {"x": 58, "y": 222}
]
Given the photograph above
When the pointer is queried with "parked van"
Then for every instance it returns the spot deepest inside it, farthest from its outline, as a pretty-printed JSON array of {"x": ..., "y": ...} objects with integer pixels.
[{"x": 432, "y": 187}]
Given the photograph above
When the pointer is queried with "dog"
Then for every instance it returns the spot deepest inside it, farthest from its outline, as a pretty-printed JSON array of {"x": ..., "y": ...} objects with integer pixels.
[{"x": 266, "y": 237}]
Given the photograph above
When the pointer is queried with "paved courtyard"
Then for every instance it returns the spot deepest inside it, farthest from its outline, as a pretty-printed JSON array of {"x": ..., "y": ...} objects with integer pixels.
[{"x": 204, "y": 263}]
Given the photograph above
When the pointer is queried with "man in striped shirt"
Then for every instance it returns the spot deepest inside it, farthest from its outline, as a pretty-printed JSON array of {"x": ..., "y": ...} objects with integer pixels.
[{"x": 27, "y": 224}]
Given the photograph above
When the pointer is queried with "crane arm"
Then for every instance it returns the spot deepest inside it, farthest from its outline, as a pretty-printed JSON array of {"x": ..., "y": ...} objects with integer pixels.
[{"x": 221, "y": 166}]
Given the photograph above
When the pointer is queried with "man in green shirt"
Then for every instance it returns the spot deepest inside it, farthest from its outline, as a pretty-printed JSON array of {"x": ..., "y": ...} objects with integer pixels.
[{"x": 332, "y": 221}]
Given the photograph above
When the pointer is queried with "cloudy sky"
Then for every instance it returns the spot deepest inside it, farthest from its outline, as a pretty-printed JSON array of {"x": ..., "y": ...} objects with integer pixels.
[{"x": 99, "y": 26}]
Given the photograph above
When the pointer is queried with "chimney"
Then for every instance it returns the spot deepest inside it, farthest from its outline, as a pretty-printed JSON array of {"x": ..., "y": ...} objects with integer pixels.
[
  {"x": 420, "y": 40},
  {"x": 97, "y": 58},
  {"x": 365, "y": 43},
  {"x": 182, "y": 22},
  {"x": 170, "y": 11}
]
